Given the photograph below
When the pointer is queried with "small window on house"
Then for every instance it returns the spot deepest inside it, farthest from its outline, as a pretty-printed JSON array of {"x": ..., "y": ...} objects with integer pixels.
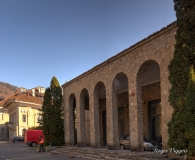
[
  {"x": 39, "y": 119},
  {"x": 23, "y": 118}
]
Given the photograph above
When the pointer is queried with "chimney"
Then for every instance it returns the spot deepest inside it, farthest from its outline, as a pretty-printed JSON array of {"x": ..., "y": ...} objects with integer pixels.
[
  {"x": 42, "y": 90},
  {"x": 22, "y": 90},
  {"x": 39, "y": 89},
  {"x": 33, "y": 92}
]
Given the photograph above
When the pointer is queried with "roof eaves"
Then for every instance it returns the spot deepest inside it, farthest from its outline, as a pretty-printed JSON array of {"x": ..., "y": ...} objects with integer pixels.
[{"x": 171, "y": 25}]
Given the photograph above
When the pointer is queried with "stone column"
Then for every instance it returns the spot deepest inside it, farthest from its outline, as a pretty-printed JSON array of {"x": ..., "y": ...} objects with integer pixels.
[
  {"x": 135, "y": 117},
  {"x": 112, "y": 118},
  {"x": 94, "y": 120},
  {"x": 80, "y": 122},
  {"x": 68, "y": 121}
]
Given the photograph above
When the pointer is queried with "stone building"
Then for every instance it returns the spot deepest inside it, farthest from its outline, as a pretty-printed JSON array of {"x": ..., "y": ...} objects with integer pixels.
[{"x": 126, "y": 94}]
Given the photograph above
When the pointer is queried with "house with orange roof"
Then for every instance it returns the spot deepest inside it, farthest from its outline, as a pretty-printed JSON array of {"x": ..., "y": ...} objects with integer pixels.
[{"x": 24, "y": 111}]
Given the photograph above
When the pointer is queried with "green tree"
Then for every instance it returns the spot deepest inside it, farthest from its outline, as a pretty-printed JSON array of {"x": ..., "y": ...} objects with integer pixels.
[
  {"x": 179, "y": 70},
  {"x": 53, "y": 129},
  {"x": 188, "y": 115},
  {"x": 46, "y": 112},
  {"x": 56, "y": 125}
]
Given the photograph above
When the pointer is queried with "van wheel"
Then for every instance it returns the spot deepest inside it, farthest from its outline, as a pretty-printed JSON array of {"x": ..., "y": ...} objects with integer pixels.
[
  {"x": 33, "y": 144},
  {"x": 122, "y": 147}
]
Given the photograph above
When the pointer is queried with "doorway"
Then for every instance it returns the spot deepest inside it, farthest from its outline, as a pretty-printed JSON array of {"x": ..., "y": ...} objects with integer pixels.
[
  {"x": 155, "y": 120},
  {"x": 104, "y": 127},
  {"x": 121, "y": 121}
]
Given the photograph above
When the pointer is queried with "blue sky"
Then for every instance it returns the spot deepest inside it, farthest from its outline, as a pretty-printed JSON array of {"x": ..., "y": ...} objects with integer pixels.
[{"x": 64, "y": 38}]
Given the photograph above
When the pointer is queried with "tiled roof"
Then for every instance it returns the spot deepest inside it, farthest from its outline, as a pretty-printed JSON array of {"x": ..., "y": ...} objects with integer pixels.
[
  {"x": 173, "y": 24},
  {"x": 4, "y": 101},
  {"x": 28, "y": 98},
  {"x": 24, "y": 98}
]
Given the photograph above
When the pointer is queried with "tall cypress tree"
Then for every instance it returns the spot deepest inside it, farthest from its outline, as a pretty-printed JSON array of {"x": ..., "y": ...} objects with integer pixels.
[
  {"x": 188, "y": 115},
  {"x": 46, "y": 112},
  {"x": 56, "y": 125},
  {"x": 179, "y": 69}
]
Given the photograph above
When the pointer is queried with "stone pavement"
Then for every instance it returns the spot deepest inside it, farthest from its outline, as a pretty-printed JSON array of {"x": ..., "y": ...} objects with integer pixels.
[{"x": 105, "y": 154}]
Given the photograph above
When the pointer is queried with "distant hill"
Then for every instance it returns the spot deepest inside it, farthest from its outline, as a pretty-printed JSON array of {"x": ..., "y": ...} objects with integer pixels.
[{"x": 7, "y": 90}]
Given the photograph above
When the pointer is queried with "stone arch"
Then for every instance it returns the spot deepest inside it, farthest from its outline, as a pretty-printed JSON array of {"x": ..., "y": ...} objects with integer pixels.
[
  {"x": 148, "y": 101},
  {"x": 72, "y": 122},
  {"x": 100, "y": 114},
  {"x": 84, "y": 119},
  {"x": 120, "y": 109}
]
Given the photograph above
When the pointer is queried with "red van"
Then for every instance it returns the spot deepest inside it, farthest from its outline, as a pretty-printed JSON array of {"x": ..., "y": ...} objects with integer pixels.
[{"x": 31, "y": 137}]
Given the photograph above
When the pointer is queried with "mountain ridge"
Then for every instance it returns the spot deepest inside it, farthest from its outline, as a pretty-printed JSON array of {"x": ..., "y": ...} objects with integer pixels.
[{"x": 7, "y": 90}]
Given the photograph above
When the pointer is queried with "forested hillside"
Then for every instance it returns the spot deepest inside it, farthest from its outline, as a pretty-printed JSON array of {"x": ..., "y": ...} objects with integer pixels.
[{"x": 7, "y": 90}]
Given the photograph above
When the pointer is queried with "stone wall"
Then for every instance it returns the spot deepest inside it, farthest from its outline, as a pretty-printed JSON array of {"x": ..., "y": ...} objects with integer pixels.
[{"x": 157, "y": 48}]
